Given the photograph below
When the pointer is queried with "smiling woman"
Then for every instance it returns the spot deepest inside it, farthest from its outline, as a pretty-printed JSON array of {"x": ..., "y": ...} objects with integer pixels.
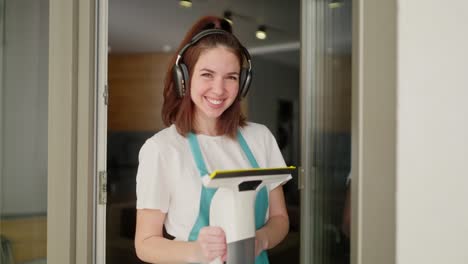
[{"x": 206, "y": 131}]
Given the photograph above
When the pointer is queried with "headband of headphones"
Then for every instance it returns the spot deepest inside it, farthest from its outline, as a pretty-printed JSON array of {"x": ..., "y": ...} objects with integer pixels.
[{"x": 181, "y": 73}]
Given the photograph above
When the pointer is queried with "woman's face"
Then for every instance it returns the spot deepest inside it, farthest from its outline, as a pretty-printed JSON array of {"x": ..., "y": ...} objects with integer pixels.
[{"x": 215, "y": 83}]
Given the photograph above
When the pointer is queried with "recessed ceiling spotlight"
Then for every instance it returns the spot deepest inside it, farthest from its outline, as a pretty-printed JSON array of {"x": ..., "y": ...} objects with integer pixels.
[
  {"x": 261, "y": 32},
  {"x": 166, "y": 48},
  {"x": 335, "y": 4},
  {"x": 185, "y": 3}
]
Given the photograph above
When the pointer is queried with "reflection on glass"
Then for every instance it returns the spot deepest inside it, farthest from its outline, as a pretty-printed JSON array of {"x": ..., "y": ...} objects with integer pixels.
[
  {"x": 23, "y": 130},
  {"x": 331, "y": 128}
]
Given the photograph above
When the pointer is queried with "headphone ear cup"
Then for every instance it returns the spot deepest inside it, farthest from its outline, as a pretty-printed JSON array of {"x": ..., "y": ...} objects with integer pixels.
[
  {"x": 185, "y": 78},
  {"x": 177, "y": 78},
  {"x": 180, "y": 77},
  {"x": 245, "y": 79}
]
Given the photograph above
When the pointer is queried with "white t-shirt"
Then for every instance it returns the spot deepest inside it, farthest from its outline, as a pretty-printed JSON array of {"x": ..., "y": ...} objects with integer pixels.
[{"x": 168, "y": 178}]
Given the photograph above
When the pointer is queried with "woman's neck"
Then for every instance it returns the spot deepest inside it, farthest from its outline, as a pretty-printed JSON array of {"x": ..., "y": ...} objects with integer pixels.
[{"x": 206, "y": 127}]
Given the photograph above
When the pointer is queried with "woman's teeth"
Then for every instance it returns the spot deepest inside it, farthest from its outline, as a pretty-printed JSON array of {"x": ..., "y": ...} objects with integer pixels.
[{"x": 216, "y": 102}]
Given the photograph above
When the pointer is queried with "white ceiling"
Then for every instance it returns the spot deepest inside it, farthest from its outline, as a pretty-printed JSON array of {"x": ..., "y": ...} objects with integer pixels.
[{"x": 149, "y": 25}]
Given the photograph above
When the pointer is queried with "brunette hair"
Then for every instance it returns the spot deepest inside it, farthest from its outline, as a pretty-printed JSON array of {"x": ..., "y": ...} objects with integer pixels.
[{"x": 179, "y": 110}]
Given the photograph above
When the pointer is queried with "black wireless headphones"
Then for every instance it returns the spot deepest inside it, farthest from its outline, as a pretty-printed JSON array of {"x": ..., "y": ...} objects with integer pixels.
[{"x": 180, "y": 73}]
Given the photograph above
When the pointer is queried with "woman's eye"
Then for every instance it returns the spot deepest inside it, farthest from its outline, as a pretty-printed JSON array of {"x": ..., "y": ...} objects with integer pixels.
[
  {"x": 232, "y": 78},
  {"x": 207, "y": 75}
]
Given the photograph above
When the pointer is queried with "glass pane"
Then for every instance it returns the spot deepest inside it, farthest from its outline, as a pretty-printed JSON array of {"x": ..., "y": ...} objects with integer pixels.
[
  {"x": 23, "y": 134},
  {"x": 274, "y": 102},
  {"x": 331, "y": 128}
]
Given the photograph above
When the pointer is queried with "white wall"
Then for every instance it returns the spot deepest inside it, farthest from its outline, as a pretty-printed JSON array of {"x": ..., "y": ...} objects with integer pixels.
[
  {"x": 432, "y": 132},
  {"x": 24, "y": 115}
]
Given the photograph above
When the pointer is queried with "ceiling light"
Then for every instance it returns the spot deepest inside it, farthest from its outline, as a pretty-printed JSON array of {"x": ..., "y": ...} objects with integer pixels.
[
  {"x": 166, "y": 48},
  {"x": 261, "y": 32},
  {"x": 228, "y": 16},
  {"x": 185, "y": 3},
  {"x": 335, "y": 4}
]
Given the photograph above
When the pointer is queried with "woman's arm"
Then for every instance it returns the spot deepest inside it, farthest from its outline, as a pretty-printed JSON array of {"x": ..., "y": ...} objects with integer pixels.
[
  {"x": 152, "y": 247},
  {"x": 150, "y": 244},
  {"x": 277, "y": 226}
]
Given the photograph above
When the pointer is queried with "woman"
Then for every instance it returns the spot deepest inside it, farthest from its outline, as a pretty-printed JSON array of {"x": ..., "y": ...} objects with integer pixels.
[{"x": 202, "y": 95}]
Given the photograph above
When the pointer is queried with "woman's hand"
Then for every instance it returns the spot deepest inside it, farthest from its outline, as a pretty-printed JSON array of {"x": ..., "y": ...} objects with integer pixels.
[
  {"x": 211, "y": 243},
  {"x": 261, "y": 241}
]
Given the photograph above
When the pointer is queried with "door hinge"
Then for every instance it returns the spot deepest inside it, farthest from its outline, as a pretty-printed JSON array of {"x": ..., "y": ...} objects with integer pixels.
[
  {"x": 301, "y": 175},
  {"x": 102, "y": 187},
  {"x": 106, "y": 94}
]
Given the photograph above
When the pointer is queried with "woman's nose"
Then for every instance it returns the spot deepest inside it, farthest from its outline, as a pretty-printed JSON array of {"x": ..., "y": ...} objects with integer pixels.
[{"x": 218, "y": 86}]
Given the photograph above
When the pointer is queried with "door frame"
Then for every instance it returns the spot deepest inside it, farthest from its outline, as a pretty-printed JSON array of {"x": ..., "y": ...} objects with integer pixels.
[
  {"x": 72, "y": 128},
  {"x": 71, "y": 134},
  {"x": 306, "y": 173},
  {"x": 374, "y": 132},
  {"x": 308, "y": 34},
  {"x": 101, "y": 132}
]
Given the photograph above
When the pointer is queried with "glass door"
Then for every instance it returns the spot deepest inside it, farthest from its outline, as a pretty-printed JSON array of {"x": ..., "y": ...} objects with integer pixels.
[
  {"x": 326, "y": 126},
  {"x": 24, "y": 51}
]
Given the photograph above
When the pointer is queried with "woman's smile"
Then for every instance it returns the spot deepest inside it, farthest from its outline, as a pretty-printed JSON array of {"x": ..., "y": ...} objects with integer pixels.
[{"x": 214, "y": 101}]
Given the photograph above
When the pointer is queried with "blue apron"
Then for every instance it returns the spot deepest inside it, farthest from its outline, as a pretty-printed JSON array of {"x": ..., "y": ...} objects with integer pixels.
[{"x": 203, "y": 219}]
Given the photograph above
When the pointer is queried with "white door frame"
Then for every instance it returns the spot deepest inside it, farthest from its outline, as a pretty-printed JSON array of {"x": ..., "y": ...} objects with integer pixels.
[
  {"x": 71, "y": 131},
  {"x": 101, "y": 132}
]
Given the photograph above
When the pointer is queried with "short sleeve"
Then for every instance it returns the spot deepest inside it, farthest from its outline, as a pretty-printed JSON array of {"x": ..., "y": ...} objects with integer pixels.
[
  {"x": 275, "y": 158},
  {"x": 152, "y": 188}
]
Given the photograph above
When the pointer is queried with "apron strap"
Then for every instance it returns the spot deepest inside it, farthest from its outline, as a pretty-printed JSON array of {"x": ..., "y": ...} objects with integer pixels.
[
  {"x": 197, "y": 154},
  {"x": 261, "y": 201},
  {"x": 246, "y": 149},
  {"x": 203, "y": 218}
]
